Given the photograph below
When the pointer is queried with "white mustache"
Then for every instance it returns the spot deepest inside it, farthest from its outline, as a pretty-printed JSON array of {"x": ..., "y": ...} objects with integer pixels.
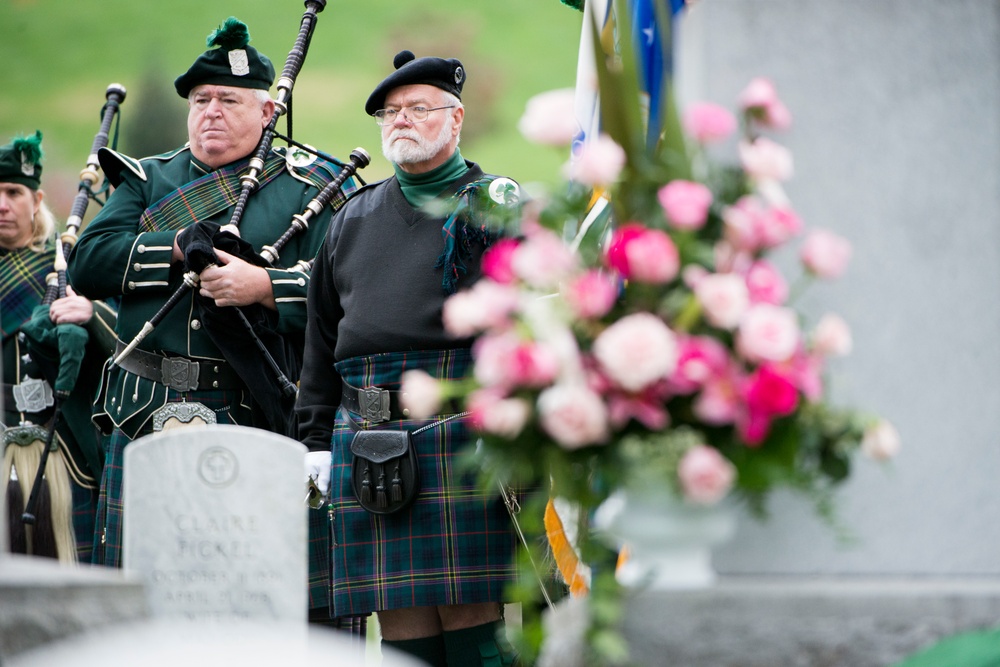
[{"x": 404, "y": 133}]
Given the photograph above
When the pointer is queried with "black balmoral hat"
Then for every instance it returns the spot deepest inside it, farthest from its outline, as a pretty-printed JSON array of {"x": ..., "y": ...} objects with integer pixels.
[
  {"x": 233, "y": 63},
  {"x": 446, "y": 74},
  {"x": 21, "y": 161}
]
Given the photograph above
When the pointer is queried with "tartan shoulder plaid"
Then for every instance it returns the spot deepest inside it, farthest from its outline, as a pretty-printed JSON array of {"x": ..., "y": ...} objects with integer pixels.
[
  {"x": 204, "y": 197},
  {"x": 22, "y": 285}
]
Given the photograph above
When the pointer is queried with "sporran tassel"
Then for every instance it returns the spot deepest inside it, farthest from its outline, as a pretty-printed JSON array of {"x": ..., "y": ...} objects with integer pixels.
[
  {"x": 397, "y": 486},
  {"x": 366, "y": 487},
  {"x": 380, "y": 501}
]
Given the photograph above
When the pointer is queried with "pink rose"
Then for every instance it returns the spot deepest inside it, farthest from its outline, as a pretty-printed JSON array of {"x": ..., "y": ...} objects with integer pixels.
[
  {"x": 730, "y": 259},
  {"x": 708, "y": 123},
  {"x": 719, "y": 401},
  {"x": 766, "y": 284},
  {"x": 646, "y": 408},
  {"x": 881, "y": 441},
  {"x": 832, "y": 337},
  {"x": 492, "y": 412},
  {"x": 692, "y": 274},
  {"x": 760, "y": 92},
  {"x": 760, "y": 101},
  {"x": 492, "y": 353},
  {"x": 486, "y": 305},
  {"x": 753, "y": 427},
  {"x": 724, "y": 298},
  {"x": 699, "y": 360},
  {"x": 420, "y": 394},
  {"x": 592, "y": 294},
  {"x": 598, "y": 163},
  {"x": 543, "y": 260},
  {"x": 766, "y": 160},
  {"x": 685, "y": 203},
  {"x": 769, "y": 391},
  {"x": 768, "y": 333},
  {"x": 779, "y": 225},
  {"x": 497, "y": 260},
  {"x": 706, "y": 476},
  {"x": 825, "y": 254},
  {"x": 807, "y": 371},
  {"x": 636, "y": 351},
  {"x": 506, "y": 361},
  {"x": 751, "y": 225},
  {"x": 573, "y": 416},
  {"x": 643, "y": 255},
  {"x": 550, "y": 118}
]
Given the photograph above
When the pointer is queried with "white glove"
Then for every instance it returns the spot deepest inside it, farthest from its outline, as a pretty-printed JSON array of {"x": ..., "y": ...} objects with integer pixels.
[{"x": 318, "y": 468}]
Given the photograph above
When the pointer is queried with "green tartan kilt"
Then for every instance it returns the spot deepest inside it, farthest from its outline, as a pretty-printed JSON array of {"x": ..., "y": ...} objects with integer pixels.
[
  {"x": 84, "y": 512},
  {"x": 454, "y": 545}
]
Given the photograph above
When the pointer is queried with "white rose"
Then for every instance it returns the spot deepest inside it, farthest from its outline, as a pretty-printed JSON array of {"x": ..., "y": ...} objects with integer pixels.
[
  {"x": 832, "y": 336},
  {"x": 724, "y": 297},
  {"x": 881, "y": 441},
  {"x": 420, "y": 394},
  {"x": 768, "y": 333},
  {"x": 636, "y": 351},
  {"x": 573, "y": 415}
]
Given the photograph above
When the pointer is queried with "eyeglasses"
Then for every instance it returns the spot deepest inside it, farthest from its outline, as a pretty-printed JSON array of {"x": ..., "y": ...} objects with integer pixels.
[{"x": 412, "y": 114}]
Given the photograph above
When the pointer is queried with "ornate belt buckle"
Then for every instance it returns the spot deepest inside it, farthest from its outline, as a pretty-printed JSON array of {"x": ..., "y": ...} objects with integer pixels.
[
  {"x": 32, "y": 395},
  {"x": 179, "y": 373},
  {"x": 173, "y": 415},
  {"x": 375, "y": 404}
]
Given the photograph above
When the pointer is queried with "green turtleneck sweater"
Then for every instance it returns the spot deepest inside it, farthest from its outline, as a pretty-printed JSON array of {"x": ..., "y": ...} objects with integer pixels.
[{"x": 422, "y": 188}]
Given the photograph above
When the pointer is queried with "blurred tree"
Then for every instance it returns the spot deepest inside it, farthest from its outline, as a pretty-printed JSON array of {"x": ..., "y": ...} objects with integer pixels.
[{"x": 155, "y": 120}]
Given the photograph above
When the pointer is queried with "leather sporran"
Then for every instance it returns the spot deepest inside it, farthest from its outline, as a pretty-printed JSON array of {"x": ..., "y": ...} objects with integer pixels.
[{"x": 384, "y": 470}]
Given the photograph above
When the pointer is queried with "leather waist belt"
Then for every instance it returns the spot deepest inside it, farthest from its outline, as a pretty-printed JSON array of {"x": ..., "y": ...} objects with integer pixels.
[
  {"x": 375, "y": 404},
  {"x": 181, "y": 373}
]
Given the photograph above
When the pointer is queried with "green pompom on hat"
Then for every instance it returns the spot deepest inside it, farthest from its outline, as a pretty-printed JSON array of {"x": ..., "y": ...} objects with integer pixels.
[
  {"x": 230, "y": 61},
  {"x": 21, "y": 161},
  {"x": 575, "y": 4}
]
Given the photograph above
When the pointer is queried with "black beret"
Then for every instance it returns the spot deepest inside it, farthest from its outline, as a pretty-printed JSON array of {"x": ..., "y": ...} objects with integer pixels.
[
  {"x": 234, "y": 63},
  {"x": 446, "y": 74},
  {"x": 21, "y": 161}
]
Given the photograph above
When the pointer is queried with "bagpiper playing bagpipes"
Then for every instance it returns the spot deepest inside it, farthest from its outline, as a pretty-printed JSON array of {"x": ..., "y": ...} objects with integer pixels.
[
  {"x": 54, "y": 344},
  {"x": 207, "y": 247}
]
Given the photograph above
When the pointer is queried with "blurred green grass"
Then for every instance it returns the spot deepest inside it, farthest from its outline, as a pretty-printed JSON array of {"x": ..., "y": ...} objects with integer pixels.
[{"x": 60, "y": 57}]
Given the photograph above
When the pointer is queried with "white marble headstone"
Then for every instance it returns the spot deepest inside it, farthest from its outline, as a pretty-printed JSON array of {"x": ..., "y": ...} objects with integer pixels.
[{"x": 215, "y": 523}]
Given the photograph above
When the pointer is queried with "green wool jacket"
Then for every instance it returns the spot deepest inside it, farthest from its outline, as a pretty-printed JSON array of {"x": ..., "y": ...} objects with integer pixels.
[{"x": 125, "y": 252}]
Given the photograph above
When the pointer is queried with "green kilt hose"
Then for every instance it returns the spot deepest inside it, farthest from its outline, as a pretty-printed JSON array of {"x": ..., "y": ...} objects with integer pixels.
[{"x": 453, "y": 545}]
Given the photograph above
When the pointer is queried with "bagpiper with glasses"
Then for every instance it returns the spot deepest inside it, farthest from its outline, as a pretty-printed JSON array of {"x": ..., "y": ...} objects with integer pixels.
[{"x": 435, "y": 570}]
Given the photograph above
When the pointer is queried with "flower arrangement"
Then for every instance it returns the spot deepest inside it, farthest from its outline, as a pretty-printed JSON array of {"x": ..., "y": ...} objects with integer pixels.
[
  {"x": 670, "y": 344},
  {"x": 657, "y": 341}
]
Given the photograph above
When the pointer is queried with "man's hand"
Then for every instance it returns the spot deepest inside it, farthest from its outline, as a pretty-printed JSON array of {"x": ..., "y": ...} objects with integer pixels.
[
  {"x": 234, "y": 282},
  {"x": 318, "y": 469},
  {"x": 71, "y": 309}
]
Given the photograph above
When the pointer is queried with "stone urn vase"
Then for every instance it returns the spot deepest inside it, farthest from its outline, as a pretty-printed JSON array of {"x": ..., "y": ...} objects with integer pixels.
[{"x": 666, "y": 542}]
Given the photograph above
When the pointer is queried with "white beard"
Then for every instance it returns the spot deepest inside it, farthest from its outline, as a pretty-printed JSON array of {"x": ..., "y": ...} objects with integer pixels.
[{"x": 416, "y": 151}]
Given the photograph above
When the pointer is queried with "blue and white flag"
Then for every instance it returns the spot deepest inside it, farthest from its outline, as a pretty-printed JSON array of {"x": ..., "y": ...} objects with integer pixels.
[
  {"x": 653, "y": 44},
  {"x": 654, "y": 55},
  {"x": 588, "y": 109}
]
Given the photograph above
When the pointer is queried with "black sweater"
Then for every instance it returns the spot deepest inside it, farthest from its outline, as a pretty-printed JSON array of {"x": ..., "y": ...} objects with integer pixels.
[{"x": 374, "y": 289}]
